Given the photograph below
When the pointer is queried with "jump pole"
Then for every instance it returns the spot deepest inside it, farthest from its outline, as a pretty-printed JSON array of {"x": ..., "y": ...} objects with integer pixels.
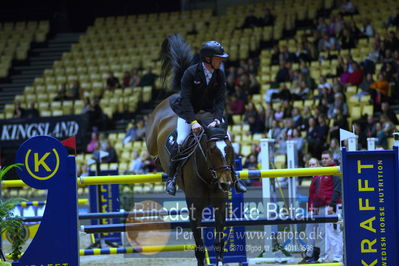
[{"x": 155, "y": 178}]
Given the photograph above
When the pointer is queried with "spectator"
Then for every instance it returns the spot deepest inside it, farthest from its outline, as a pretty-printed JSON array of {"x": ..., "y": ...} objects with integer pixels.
[
  {"x": 86, "y": 106},
  {"x": 339, "y": 121},
  {"x": 74, "y": 91},
  {"x": 112, "y": 81},
  {"x": 314, "y": 140},
  {"x": 325, "y": 199},
  {"x": 112, "y": 157},
  {"x": 380, "y": 90},
  {"x": 354, "y": 30},
  {"x": 282, "y": 143},
  {"x": 367, "y": 29},
  {"x": 347, "y": 8},
  {"x": 251, "y": 162},
  {"x": 274, "y": 131},
  {"x": 91, "y": 146},
  {"x": 288, "y": 56},
  {"x": 387, "y": 125},
  {"x": 250, "y": 111},
  {"x": 312, "y": 253},
  {"x": 346, "y": 39},
  {"x": 276, "y": 55},
  {"x": 269, "y": 117},
  {"x": 382, "y": 138},
  {"x": 321, "y": 25},
  {"x": 126, "y": 79},
  {"x": 335, "y": 150},
  {"x": 83, "y": 170},
  {"x": 32, "y": 112},
  {"x": 267, "y": 19},
  {"x": 131, "y": 134},
  {"x": 355, "y": 76},
  {"x": 365, "y": 86},
  {"x": 394, "y": 21},
  {"x": 370, "y": 128},
  {"x": 62, "y": 93},
  {"x": 338, "y": 106},
  {"x": 283, "y": 94},
  {"x": 136, "y": 165},
  {"x": 306, "y": 115},
  {"x": 389, "y": 72},
  {"x": 299, "y": 145},
  {"x": 149, "y": 164},
  {"x": 302, "y": 92},
  {"x": 250, "y": 21},
  {"x": 237, "y": 106},
  {"x": 96, "y": 115},
  {"x": 296, "y": 118},
  {"x": 19, "y": 112},
  {"x": 386, "y": 110},
  {"x": 303, "y": 53},
  {"x": 371, "y": 59},
  {"x": 279, "y": 113},
  {"x": 148, "y": 79},
  {"x": 327, "y": 43},
  {"x": 362, "y": 138},
  {"x": 134, "y": 78},
  {"x": 140, "y": 130},
  {"x": 325, "y": 89},
  {"x": 254, "y": 86},
  {"x": 256, "y": 125}
]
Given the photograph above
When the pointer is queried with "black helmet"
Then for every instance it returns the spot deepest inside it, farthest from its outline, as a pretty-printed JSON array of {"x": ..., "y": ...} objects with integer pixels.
[{"x": 211, "y": 49}]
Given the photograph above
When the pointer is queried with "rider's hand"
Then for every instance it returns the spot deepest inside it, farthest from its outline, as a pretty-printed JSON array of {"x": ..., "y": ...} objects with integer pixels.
[
  {"x": 196, "y": 127},
  {"x": 213, "y": 124}
]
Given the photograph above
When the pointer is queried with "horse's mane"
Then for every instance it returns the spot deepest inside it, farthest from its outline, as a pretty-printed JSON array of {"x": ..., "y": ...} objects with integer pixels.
[{"x": 175, "y": 55}]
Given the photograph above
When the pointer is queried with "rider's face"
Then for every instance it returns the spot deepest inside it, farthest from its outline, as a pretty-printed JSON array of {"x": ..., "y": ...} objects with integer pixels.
[{"x": 216, "y": 61}]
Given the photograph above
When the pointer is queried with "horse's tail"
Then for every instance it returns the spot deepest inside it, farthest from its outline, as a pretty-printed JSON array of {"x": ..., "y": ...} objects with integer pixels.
[{"x": 175, "y": 55}]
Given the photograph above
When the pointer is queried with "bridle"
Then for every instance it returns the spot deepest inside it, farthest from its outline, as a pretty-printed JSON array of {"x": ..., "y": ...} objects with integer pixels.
[{"x": 213, "y": 170}]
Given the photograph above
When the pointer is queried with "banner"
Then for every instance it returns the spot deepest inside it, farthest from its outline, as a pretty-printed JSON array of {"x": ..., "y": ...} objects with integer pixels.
[
  {"x": 370, "y": 207},
  {"x": 14, "y": 131}
]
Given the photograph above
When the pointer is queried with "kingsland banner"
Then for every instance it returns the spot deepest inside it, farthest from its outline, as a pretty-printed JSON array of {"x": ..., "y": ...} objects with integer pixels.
[{"x": 14, "y": 131}]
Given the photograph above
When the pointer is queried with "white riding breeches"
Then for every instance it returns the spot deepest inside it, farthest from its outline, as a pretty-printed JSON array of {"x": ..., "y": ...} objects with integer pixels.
[{"x": 184, "y": 129}]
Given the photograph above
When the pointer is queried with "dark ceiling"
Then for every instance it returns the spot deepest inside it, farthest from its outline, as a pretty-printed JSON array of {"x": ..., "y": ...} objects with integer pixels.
[{"x": 77, "y": 15}]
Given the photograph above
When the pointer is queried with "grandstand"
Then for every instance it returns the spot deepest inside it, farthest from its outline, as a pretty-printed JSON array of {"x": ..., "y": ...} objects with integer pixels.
[{"x": 38, "y": 62}]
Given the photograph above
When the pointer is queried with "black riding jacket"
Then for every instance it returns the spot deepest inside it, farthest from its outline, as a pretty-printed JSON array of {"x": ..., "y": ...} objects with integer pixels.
[{"x": 196, "y": 95}]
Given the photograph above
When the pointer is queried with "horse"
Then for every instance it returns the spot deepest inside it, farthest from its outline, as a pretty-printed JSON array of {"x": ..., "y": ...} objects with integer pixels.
[{"x": 206, "y": 175}]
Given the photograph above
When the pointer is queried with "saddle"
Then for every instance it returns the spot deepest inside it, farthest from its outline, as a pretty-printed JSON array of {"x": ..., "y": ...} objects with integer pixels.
[{"x": 212, "y": 134}]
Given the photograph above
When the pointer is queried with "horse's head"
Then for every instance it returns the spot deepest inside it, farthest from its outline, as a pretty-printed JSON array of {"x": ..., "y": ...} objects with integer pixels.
[{"x": 220, "y": 156}]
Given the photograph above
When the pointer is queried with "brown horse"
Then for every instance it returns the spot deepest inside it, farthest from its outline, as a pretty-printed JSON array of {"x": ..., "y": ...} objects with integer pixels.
[{"x": 205, "y": 178}]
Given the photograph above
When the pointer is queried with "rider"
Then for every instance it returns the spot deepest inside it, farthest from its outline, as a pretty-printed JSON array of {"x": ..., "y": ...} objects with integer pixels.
[{"x": 203, "y": 88}]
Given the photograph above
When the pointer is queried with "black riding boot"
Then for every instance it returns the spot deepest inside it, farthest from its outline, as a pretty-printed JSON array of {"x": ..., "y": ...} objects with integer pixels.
[
  {"x": 171, "y": 181},
  {"x": 240, "y": 188}
]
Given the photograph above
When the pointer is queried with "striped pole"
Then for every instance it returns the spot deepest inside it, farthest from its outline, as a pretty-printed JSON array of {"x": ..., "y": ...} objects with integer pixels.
[
  {"x": 159, "y": 177},
  {"x": 148, "y": 226},
  {"x": 129, "y": 250},
  {"x": 113, "y": 215},
  {"x": 38, "y": 203}
]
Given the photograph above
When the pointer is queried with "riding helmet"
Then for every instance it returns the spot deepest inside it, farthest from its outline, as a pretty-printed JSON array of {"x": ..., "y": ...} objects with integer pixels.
[{"x": 212, "y": 49}]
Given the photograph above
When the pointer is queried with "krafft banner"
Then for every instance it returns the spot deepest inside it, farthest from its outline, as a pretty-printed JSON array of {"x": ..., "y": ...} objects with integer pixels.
[
  {"x": 14, "y": 131},
  {"x": 370, "y": 207}
]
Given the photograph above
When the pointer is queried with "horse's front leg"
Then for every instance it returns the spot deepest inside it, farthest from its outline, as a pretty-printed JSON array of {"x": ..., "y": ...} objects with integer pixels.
[
  {"x": 220, "y": 221},
  {"x": 195, "y": 224}
]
